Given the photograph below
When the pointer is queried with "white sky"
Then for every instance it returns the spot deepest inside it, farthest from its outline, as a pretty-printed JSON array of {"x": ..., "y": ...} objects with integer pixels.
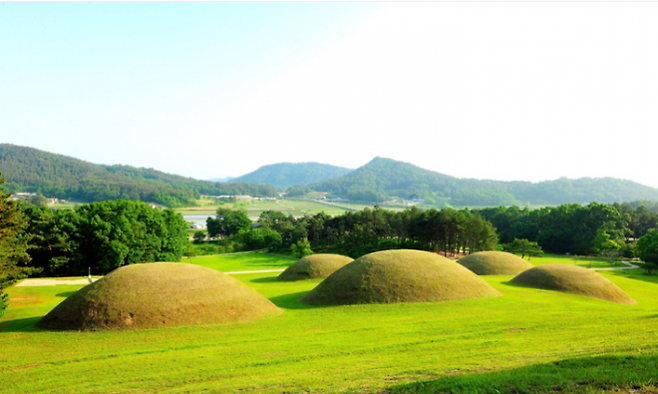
[{"x": 508, "y": 91}]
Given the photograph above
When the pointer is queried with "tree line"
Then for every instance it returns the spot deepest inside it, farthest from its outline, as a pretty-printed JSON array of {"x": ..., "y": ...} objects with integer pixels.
[
  {"x": 51, "y": 175},
  {"x": 576, "y": 229},
  {"x": 357, "y": 233}
]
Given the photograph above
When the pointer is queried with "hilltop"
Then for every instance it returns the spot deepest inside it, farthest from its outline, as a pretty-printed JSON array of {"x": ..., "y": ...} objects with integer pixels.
[
  {"x": 32, "y": 170},
  {"x": 382, "y": 178},
  {"x": 284, "y": 175}
]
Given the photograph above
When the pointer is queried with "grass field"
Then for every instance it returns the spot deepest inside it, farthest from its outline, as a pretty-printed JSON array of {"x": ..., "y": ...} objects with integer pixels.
[
  {"x": 490, "y": 345},
  {"x": 242, "y": 262},
  {"x": 254, "y": 208},
  {"x": 582, "y": 261}
]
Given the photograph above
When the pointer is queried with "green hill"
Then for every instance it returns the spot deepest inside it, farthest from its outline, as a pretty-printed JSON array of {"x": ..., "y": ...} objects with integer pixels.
[
  {"x": 383, "y": 178},
  {"x": 284, "y": 175},
  {"x": 53, "y": 175}
]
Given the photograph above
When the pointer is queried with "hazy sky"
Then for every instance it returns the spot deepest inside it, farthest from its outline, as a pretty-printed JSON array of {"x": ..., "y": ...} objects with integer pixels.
[{"x": 502, "y": 90}]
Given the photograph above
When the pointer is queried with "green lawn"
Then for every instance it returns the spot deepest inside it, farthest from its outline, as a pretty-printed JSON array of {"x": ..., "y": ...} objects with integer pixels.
[
  {"x": 582, "y": 261},
  {"x": 242, "y": 262},
  {"x": 485, "y": 345},
  {"x": 254, "y": 208}
]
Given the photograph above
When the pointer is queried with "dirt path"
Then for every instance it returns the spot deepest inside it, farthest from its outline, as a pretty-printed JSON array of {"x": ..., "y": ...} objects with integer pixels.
[{"x": 54, "y": 282}]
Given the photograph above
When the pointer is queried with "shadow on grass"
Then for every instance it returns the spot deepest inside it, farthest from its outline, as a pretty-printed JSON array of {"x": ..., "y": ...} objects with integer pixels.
[
  {"x": 578, "y": 375},
  {"x": 291, "y": 301},
  {"x": 20, "y": 325},
  {"x": 66, "y": 294},
  {"x": 638, "y": 274},
  {"x": 267, "y": 279}
]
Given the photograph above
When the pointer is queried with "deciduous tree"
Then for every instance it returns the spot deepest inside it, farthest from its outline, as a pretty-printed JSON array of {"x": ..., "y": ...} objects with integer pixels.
[{"x": 13, "y": 245}]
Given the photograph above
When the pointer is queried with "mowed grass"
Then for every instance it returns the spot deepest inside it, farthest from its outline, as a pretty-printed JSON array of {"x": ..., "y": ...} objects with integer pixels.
[
  {"x": 254, "y": 208},
  {"x": 242, "y": 262},
  {"x": 582, "y": 261},
  {"x": 359, "y": 348}
]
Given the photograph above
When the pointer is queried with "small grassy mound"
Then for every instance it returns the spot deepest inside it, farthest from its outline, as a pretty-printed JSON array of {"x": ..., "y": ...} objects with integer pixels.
[
  {"x": 495, "y": 263},
  {"x": 574, "y": 280},
  {"x": 157, "y": 295},
  {"x": 314, "y": 266},
  {"x": 393, "y": 276}
]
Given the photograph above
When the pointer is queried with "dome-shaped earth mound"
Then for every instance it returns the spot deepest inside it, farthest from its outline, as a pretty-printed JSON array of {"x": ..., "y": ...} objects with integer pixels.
[
  {"x": 158, "y": 295},
  {"x": 314, "y": 266},
  {"x": 399, "y": 276},
  {"x": 573, "y": 279},
  {"x": 495, "y": 263}
]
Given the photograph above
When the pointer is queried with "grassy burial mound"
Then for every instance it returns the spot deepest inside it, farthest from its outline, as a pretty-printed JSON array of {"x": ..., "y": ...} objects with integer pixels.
[
  {"x": 393, "y": 276},
  {"x": 158, "y": 295},
  {"x": 314, "y": 266},
  {"x": 495, "y": 263},
  {"x": 573, "y": 279}
]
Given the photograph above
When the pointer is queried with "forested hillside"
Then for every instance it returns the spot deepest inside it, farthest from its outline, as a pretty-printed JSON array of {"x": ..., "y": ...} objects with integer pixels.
[
  {"x": 284, "y": 175},
  {"x": 53, "y": 175},
  {"x": 383, "y": 178}
]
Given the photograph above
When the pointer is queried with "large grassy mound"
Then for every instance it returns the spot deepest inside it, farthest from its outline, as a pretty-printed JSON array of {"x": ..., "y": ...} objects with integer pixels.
[
  {"x": 314, "y": 266},
  {"x": 495, "y": 263},
  {"x": 157, "y": 295},
  {"x": 573, "y": 279},
  {"x": 399, "y": 276}
]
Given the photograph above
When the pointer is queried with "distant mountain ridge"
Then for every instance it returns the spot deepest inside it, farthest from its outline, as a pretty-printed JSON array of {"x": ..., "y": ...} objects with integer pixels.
[
  {"x": 228, "y": 178},
  {"x": 32, "y": 170},
  {"x": 382, "y": 178},
  {"x": 284, "y": 175}
]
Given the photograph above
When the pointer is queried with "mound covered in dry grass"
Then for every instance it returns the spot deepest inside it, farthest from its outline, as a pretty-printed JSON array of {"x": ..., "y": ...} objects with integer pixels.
[
  {"x": 495, "y": 263},
  {"x": 393, "y": 276},
  {"x": 314, "y": 266},
  {"x": 157, "y": 295},
  {"x": 575, "y": 280}
]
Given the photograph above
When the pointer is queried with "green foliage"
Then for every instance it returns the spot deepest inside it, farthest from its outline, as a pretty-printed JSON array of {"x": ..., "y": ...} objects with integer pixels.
[
  {"x": 104, "y": 235},
  {"x": 647, "y": 250},
  {"x": 301, "y": 249},
  {"x": 65, "y": 177},
  {"x": 383, "y": 178},
  {"x": 13, "y": 244},
  {"x": 525, "y": 247},
  {"x": 51, "y": 246},
  {"x": 228, "y": 222},
  {"x": 569, "y": 228},
  {"x": 369, "y": 230},
  {"x": 199, "y": 236},
  {"x": 261, "y": 238},
  {"x": 284, "y": 175},
  {"x": 4, "y": 303}
]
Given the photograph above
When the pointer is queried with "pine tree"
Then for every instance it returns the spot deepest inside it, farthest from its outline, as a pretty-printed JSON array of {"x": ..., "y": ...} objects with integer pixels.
[{"x": 13, "y": 245}]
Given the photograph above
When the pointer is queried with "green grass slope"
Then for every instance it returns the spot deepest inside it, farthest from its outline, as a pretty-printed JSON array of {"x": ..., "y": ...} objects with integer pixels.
[
  {"x": 316, "y": 266},
  {"x": 529, "y": 341},
  {"x": 574, "y": 280},
  {"x": 394, "y": 276},
  {"x": 495, "y": 263},
  {"x": 158, "y": 295}
]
